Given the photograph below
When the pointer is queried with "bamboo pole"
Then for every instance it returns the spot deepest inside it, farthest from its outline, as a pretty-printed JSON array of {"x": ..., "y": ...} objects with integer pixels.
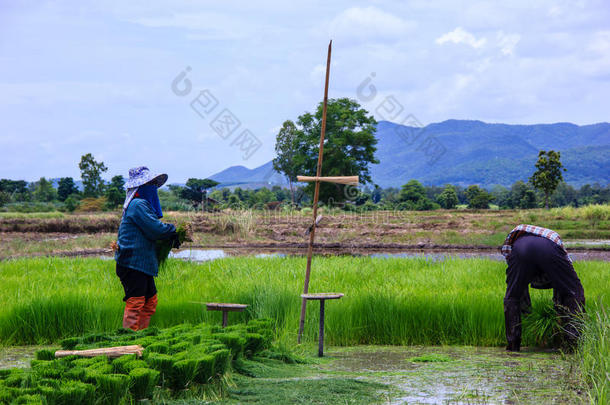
[{"x": 315, "y": 197}]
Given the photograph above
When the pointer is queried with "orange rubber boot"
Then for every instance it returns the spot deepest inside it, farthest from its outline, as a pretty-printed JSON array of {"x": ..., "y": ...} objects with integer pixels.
[
  {"x": 131, "y": 316},
  {"x": 147, "y": 311}
]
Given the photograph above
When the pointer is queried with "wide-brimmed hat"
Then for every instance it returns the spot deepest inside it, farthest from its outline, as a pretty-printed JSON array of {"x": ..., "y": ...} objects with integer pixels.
[{"x": 138, "y": 176}]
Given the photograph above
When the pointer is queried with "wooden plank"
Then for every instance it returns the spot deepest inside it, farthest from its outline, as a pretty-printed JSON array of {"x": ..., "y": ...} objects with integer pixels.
[
  {"x": 322, "y": 296},
  {"x": 216, "y": 306},
  {"x": 331, "y": 179},
  {"x": 111, "y": 352}
]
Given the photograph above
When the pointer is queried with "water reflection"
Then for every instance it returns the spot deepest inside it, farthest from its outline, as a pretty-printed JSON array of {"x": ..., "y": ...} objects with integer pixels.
[{"x": 198, "y": 255}]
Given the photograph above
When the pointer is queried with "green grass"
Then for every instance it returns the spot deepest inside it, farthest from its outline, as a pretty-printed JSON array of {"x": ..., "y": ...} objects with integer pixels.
[
  {"x": 594, "y": 355},
  {"x": 387, "y": 301}
]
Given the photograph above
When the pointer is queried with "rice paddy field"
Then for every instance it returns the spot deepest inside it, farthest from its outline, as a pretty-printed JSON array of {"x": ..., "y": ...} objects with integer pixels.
[{"x": 388, "y": 301}]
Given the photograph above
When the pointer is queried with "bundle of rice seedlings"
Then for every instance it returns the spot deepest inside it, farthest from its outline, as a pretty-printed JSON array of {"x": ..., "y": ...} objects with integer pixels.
[
  {"x": 143, "y": 382},
  {"x": 183, "y": 374},
  {"x": 543, "y": 325},
  {"x": 164, "y": 246},
  {"x": 113, "y": 387}
]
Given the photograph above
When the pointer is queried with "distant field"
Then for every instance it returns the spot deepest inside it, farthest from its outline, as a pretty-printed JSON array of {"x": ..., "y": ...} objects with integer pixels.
[{"x": 53, "y": 232}]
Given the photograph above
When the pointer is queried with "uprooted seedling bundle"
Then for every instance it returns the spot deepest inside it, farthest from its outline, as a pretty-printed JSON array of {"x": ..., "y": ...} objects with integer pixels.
[
  {"x": 174, "y": 359},
  {"x": 184, "y": 233}
]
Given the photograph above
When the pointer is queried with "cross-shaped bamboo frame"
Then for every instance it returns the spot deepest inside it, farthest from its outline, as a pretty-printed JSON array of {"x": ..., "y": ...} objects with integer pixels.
[{"x": 317, "y": 179}]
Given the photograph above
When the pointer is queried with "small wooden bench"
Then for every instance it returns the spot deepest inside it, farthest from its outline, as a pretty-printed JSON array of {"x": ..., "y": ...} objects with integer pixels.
[
  {"x": 321, "y": 297},
  {"x": 225, "y": 308}
]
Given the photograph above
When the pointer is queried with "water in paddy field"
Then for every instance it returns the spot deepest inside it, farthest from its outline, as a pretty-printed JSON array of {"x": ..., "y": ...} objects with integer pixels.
[
  {"x": 461, "y": 375},
  {"x": 203, "y": 255}
]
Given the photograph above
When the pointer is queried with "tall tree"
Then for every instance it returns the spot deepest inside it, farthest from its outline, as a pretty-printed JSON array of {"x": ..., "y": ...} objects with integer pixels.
[
  {"x": 286, "y": 148},
  {"x": 349, "y": 147},
  {"x": 44, "y": 190},
  {"x": 91, "y": 174},
  {"x": 65, "y": 187},
  {"x": 413, "y": 196},
  {"x": 448, "y": 198},
  {"x": 548, "y": 174},
  {"x": 477, "y": 197},
  {"x": 115, "y": 192},
  {"x": 196, "y": 190}
]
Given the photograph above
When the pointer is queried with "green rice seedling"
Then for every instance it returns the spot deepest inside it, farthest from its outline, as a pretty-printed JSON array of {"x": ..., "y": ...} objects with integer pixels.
[
  {"x": 18, "y": 378},
  {"x": 49, "y": 369},
  {"x": 431, "y": 358},
  {"x": 183, "y": 373},
  {"x": 180, "y": 347},
  {"x": 233, "y": 341},
  {"x": 112, "y": 387},
  {"x": 164, "y": 246},
  {"x": 143, "y": 382},
  {"x": 594, "y": 355},
  {"x": 160, "y": 347},
  {"x": 69, "y": 343},
  {"x": 94, "y": 337},
  {"x": 222, "y": 359},
  {"x": 118, "y": 364},
  {"x": 94, "y": 371},
  {"x": 255, "y": 342},
  {"x": 543, "y": 325},
  {"x": 29, "y": 399},
  {"x": 75, "y": 392},
  {"x": 205, "y": 368},
  {"x": 75, "y": 373},
  {"x": 45, "y": 354},
  {"x": 161, "y": 362}
]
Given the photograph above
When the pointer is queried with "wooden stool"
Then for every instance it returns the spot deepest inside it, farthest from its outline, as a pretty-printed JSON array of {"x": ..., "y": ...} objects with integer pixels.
[
  {"x": 225, "y": 308},
  {"x": 321, "y": 297}
]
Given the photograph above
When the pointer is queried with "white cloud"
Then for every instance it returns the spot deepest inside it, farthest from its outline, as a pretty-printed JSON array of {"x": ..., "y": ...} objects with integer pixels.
[
  {"x": 369, "y": 24},
  {"x": 507, "y": 42},
  {"x": 461, "y": 36}
]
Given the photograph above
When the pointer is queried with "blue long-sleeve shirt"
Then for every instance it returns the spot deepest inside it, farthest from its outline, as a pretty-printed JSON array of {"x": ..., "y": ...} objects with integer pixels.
[{"x": 139, "y": 230}]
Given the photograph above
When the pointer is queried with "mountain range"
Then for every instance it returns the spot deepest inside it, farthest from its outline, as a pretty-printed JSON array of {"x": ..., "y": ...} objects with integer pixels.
[{"x": 464, "y": 152}]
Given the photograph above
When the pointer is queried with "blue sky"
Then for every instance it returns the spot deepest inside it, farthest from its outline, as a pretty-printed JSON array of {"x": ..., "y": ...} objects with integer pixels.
[{"x": 79, "y": 77}]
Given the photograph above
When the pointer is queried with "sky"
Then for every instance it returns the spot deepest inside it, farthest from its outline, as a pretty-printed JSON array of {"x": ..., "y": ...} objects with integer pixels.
[{"x": 192, "y": 87}]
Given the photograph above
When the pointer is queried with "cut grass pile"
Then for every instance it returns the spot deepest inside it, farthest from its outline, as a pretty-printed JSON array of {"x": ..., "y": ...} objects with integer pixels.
[{"x": 174, "y": 359}]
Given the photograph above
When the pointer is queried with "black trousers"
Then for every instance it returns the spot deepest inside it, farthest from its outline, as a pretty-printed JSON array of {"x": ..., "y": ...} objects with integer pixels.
[
  {"x": 531, "y": 256},
  {"x": 136, "y": 283}
]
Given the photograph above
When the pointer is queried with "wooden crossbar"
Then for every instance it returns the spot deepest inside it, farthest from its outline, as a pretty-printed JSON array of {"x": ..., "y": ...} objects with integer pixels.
[{"x": 330, "y": 179}]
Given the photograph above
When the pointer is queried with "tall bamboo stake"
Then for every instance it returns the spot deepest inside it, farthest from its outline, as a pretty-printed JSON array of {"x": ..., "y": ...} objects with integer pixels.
[{"x": 315, "y": 197}]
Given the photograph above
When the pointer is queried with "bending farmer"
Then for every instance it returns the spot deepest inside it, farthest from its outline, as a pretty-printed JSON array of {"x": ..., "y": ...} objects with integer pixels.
[
  {"x": 136, "y": 257},
  {"x": 537, "y": 256}
]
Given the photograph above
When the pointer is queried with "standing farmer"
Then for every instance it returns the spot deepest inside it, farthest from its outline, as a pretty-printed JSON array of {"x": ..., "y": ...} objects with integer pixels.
[
  {"x": 536, "y": 255},
  {"x": 136, "y": 256}
]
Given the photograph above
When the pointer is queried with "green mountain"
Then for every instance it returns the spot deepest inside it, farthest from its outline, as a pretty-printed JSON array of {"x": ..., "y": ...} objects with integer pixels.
[{"x": 469, "y": 152}]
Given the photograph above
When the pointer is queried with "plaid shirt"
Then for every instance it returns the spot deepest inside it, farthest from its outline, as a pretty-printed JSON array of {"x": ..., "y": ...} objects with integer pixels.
[{"x": 532, "y": 230}]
